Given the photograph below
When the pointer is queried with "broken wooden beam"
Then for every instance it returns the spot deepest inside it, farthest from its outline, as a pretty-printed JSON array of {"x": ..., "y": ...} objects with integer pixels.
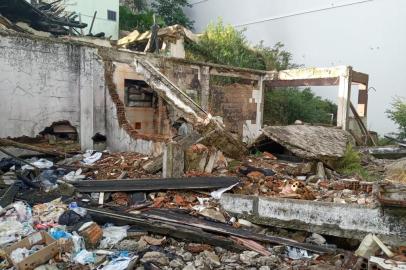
[
  {"x": 187, "y": 183},
  {"x": 225, "y": 229},
  {"x": 8, "y": 195},
  {"x": 186, "y": 227},
  {"x": 179, "y": 231},
  {"x": 7, "y": 142}
]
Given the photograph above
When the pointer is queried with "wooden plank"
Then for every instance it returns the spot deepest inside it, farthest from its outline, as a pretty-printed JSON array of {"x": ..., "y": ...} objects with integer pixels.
[
  {"x": 189, "y": 183},
  {"x": 225, "y": 229},
  {"x": 8, "y": 142},
  {"x": 179, "y": 231},
  {"x": 359, "y": 77}
]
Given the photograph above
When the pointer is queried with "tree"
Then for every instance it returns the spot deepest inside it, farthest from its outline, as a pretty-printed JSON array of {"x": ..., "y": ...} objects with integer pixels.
[
  {"x": 171, "y": 12},
  {"x": 285, "y": 106},
  {"x": 398, "y": 115},
  {"x": 141, "y": 21}
]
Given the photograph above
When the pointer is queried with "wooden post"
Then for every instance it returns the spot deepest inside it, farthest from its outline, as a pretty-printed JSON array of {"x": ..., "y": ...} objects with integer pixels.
[
  {"x": 363, "y": 102},
  {"x": 173, "y": 160},
  {"x": 344, "y": 96}
]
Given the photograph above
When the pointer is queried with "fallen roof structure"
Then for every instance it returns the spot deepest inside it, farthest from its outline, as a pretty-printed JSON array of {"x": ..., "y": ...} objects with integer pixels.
[
  {"x": 47, "y": 17},
  {"x": 309, "y": 142}
]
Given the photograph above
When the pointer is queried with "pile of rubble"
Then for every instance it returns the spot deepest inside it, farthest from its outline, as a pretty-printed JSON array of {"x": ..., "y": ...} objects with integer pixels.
[{"x": 102, "y": 210}]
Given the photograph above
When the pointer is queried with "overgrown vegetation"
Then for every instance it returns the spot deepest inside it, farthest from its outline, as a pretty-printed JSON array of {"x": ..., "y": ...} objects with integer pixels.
[
  {"x": 350, "y": 164},
  {"x": 223, "y": 44},
  {"x": 398, "y": 115},
  {"x": 285, "y": 106},
  {"x": 140, "y": 16}
]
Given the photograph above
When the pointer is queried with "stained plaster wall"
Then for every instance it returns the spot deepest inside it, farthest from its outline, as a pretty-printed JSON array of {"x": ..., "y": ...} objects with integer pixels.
[
  {"x": 44, "y": 81},
  {"x": 47, "y": 80},
  {"x": 39, "y": 84}
]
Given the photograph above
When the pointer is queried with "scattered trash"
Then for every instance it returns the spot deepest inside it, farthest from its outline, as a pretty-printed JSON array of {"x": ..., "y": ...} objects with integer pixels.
[
  {"x": 90, "y": 158},
  {"x": 84, "y": 257},
  {"x": 112, "y": 235},
  {"x": 40, "y": 163},
  {"x": 217, "y": 194},
  {"x": 297, "y": 253}
]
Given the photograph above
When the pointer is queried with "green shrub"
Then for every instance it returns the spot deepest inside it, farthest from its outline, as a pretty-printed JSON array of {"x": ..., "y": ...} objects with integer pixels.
[
  {"x": 350, "y": 164},
  {"x": 398, "y": 115}
]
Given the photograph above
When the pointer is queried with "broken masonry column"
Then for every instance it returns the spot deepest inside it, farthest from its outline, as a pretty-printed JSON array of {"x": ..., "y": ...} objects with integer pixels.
[{"x": 173, "y": 160}]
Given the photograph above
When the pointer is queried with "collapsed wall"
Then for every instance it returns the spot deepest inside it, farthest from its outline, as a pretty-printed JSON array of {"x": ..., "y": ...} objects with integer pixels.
[{"x": 47, "y": 80}]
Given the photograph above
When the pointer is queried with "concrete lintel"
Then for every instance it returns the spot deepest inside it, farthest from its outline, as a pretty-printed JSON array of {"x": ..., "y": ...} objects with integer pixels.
[
  {"x": 342, "y": 220},
  {"x": 308, "y": 73}
]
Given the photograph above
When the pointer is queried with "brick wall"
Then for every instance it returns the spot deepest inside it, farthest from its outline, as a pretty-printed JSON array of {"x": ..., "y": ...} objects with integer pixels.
[{"x": 234, "y": 103}]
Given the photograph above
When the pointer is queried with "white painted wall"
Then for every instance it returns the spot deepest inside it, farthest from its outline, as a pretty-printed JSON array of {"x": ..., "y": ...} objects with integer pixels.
[
  {"x": 365, "y": 34},
  {"x": 86, "y": 9}
]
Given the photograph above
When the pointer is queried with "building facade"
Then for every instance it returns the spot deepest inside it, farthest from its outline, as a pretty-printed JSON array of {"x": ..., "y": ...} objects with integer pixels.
[{"x": 107, "y": 17}]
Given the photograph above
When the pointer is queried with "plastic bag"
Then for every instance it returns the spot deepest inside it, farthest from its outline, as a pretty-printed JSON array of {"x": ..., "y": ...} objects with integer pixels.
[
  {"x": 120, "y": 263},
  {"x": 84, "y": 257},
  {"x": 74, "y": 176},
  {"x": 217, "y": 193},
  {"x": 19, "y": 255},
  {"x": 78, "y": 210},
  {"x": 298, "y": 253},
  {"x": 112, "y": 235},
  {"x": 90, "y": 159},
  {"x": 41, "y": 163}
]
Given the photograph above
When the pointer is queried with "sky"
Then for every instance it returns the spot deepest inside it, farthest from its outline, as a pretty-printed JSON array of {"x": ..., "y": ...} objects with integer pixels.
[{"x": 366, "y": 34}]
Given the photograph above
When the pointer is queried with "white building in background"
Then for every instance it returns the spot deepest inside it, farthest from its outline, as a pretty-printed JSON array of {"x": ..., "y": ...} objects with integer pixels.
[
  {"x": 367, "y": 34},
  {"x": 107, "y": 17}
]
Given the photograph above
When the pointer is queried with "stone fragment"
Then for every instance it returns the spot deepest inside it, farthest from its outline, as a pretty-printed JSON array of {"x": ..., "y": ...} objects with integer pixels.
[
  {"x": 211, "y": 258},
  {"x": 189, "y": 267},
  {"x": 247, "y": 257},
  {"x": 155, "y": 257},
  {"x": 177, "y": 263},
  {"x": 187, "y": 256},
  {"x": 316, "y": 239},
  {"x": 213, "y": 214}
]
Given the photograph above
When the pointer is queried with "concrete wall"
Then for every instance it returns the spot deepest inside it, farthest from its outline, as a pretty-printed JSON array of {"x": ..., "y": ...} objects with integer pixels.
[
  {"x": 363, "y": 34},
  {"x": 44, "y": 81},
  {"x": 86, "y": 9},
  {"x": 343, "y": 220},
  {"x": 39, "y": 85}
]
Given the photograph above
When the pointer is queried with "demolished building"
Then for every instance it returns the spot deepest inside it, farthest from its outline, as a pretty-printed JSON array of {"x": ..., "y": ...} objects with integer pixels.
[
  {"x": 135, "y": 98},
  {"x": 136, "y": 102}
]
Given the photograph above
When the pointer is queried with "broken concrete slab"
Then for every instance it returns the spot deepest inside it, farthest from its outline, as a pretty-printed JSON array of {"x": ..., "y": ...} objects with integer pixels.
[
  {"x": 396, "y": 171},
  {"x": 341, "y": 220},
  {"x": 309, "y": 142}
]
